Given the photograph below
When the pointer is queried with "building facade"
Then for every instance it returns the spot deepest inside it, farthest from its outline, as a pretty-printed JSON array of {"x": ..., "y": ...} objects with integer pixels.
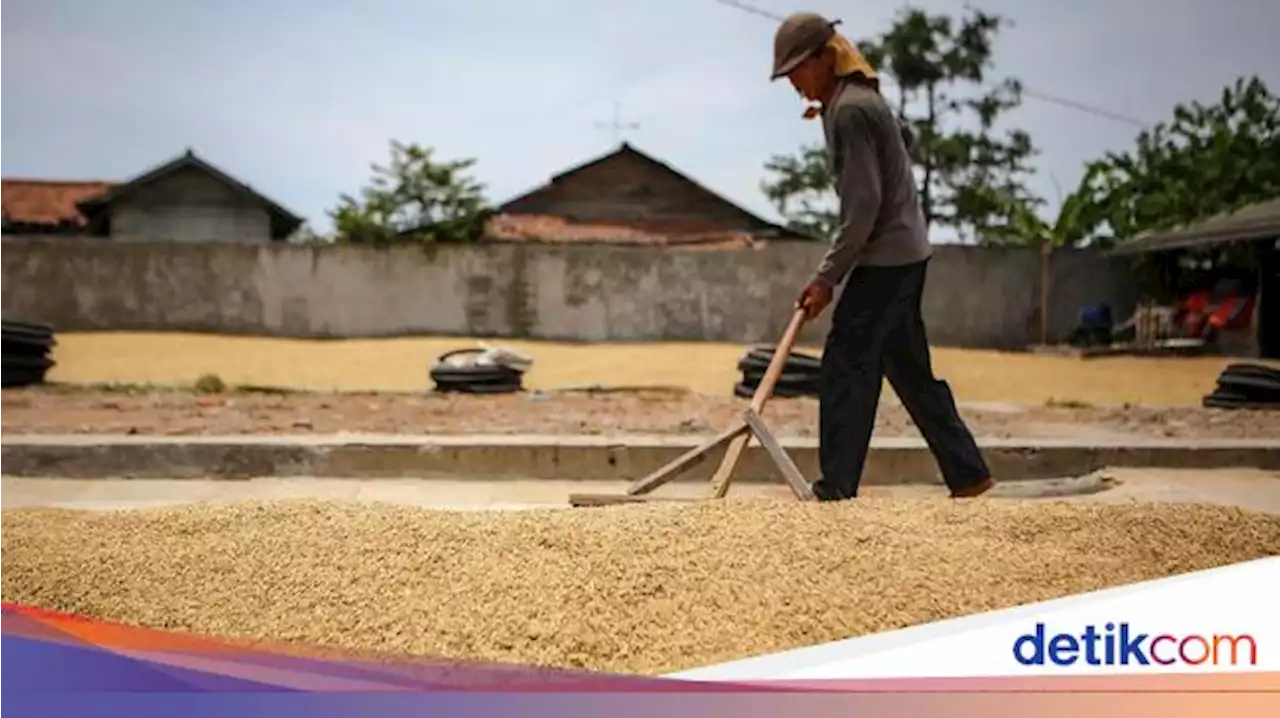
[
  {"x": 629, "y": 197},
  {"x": 184, "y": 200}
]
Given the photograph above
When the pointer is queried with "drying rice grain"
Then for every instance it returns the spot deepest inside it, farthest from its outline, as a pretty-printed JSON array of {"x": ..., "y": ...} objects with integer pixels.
[{"x": 645, "y": 589}]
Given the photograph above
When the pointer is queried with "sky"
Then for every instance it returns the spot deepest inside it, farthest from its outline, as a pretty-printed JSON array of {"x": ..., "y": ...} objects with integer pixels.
[{"x": 298, "y": 97}]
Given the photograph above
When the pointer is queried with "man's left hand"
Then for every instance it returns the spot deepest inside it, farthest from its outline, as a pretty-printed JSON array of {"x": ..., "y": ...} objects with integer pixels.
[{"x": 814, "y": 298}]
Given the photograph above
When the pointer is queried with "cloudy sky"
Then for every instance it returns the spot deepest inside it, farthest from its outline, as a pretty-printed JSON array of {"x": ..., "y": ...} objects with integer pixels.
[{"x": 297, "y": 97}]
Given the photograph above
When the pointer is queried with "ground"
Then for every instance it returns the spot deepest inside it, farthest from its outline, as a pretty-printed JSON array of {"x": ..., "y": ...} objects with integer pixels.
[
  {"x": 73, "y": 410},
  {"x": 382, "y": 386}
]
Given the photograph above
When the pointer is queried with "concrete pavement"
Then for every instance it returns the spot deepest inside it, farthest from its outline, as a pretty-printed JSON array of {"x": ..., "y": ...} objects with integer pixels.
[
  {"x": 1245, "y": 488},
  {"x": 892, "y": 461}
]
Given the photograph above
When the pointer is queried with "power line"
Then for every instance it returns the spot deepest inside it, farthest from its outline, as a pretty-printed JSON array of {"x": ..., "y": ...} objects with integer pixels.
[
  {"x": 1098, "y": 111},
  {"x": 1027, "y": 92},
  {"x": 750, "y": 9}
]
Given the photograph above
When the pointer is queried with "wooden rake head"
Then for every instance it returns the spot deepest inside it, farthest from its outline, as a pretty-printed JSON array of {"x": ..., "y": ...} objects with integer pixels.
[{"x": 735, "y": 438}]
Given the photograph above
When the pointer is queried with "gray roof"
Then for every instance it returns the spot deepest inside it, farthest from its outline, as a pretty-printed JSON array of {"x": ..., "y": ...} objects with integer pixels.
[
  {"x": 1257, "y": 221},
  {"x": 283, "y": 222}
]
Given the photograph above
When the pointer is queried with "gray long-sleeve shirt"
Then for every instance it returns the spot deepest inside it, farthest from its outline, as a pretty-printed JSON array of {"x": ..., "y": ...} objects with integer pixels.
[{"x": 880, "y": 222}]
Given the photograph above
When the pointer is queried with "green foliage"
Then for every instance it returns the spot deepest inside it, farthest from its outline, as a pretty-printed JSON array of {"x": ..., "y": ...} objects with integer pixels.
[
  {"x": 413, "y": 199},
  {"x": 972, "y": 180},
  {"x": 981, "y": 187},
  {"x": 306, "y": 234},
  {"x": 1207, "y": 160},
  {"x": 802, "y": 191},
  {"x": 1027, "y": 228}
]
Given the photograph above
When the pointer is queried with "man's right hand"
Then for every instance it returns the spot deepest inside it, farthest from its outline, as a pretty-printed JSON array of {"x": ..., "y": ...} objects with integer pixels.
[{"x": 814, "y": 298}]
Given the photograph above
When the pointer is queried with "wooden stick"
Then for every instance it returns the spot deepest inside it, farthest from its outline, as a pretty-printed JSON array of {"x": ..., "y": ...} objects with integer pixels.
[
  {"x": 781, "y": 459},
  {"x": 720, "y": 481},
  {"x": 615, "y": 499},
  {"x": 684, "y": 462}
]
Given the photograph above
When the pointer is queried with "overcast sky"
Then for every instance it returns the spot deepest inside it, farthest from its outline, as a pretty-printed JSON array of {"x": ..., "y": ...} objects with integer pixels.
[{"x": 297, "y": 97}]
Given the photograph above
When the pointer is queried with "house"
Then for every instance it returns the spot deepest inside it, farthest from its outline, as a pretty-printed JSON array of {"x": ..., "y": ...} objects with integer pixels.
[
  {"x": 630, "y": 198},
  {"x": 1255, "y": 227},
  {"x": 184, "y": 200},
  {"x": 47, "y": 206}
]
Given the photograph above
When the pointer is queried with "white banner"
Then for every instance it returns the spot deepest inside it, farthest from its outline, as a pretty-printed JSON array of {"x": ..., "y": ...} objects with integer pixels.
[{"x": 1223, "y": 620}]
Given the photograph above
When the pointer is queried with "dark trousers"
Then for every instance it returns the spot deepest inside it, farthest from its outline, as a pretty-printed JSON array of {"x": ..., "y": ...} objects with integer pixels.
[{"x": 877, "y": 331}]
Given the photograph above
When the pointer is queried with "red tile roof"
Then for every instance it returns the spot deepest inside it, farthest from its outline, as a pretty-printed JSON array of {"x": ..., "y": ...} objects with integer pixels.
[
  {"x": 48, "y": 202},
  {"x": 675, "y": 234}
]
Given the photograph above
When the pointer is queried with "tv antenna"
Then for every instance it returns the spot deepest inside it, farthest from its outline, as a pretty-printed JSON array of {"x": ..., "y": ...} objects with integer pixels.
[{"x": 617, "y": 125}]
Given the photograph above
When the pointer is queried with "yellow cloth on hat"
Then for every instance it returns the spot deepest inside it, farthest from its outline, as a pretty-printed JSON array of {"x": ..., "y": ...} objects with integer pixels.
[{"x": 849, "y": 60}]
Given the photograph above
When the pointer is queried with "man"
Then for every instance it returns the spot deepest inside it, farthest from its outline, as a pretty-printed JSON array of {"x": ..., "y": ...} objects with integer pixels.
[{"x": 882, "y": 249}]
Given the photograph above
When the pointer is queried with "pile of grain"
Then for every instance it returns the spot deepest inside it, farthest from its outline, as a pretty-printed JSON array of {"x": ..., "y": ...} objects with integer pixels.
[{"x": 643, "y": 589}]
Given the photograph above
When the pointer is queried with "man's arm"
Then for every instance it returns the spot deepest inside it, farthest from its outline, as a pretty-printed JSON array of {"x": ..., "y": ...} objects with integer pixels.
[{"x": 858, "y": 186}]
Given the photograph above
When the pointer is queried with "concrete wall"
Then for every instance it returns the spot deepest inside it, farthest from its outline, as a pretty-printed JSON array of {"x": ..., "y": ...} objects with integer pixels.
[
  {"x": 975, "y": 297},
  {"x": 189, "y": 206}
]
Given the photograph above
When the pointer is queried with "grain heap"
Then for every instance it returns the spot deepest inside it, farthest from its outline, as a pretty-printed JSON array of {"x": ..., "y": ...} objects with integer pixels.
[{"x": 645, "y": 589}]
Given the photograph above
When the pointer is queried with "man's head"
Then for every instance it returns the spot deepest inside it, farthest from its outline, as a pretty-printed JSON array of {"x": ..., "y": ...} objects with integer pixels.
[{"x": 802, "y": 53}]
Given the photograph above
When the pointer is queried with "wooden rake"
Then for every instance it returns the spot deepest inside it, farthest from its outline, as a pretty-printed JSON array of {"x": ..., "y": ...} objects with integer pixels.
[{"x": 736, "y": 437}]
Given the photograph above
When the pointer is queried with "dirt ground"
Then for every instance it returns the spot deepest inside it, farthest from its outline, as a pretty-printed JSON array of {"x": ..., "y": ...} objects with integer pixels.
[
  {"x": 122, "y": 382},
  {"x": 72, "y": 410},
  {"x": 704, "y": 367}
]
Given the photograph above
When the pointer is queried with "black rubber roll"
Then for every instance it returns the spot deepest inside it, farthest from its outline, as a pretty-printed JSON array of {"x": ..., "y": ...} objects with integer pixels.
[
  {"x": 790, "y": 389},
  {"x": 1251, "y": 371},
  {"x": 24, "y": 370},
  {"x": 796, "y": 361},
  {"x": 471, "y": 378},
  {"x": 25, "y": 347},
  {"x": 1259, "y": 388},
  {"x": 753, "y": 377},
  {"x": 11, "y": 378},
  {"x": 783, "y": 391},
  {"x": 474, "y": 375},
  {"x": 1226, "y": 399},
  {"x": 503, "y": 387},
  {"x": 758, "y": 365},
  {"x": 39, "y": 329},
  {"x": 24, "y": 362}
]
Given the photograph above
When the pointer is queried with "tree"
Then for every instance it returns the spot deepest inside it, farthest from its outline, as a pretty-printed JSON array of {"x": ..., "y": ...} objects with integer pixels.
[
  {"x": 981, "y": 190},
  {"x": 306, "y": 234},
  {"x": 1207, "y": 160},
  {"x": 413, "y": 199},
  {"x": 969, "y": 180},
  {"x": 802, "y": 191},
  {"x": 1027, "y": 228}
]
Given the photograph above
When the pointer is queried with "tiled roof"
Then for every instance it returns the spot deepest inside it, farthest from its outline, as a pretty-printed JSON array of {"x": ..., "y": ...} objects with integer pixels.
[
  {"x": 677, "y": 234},
  {"x": 47, "y": 202},
  {"x": 532, "y": 202}
]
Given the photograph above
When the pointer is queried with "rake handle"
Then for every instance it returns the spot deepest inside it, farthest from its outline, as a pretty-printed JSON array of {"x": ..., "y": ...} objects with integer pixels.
[
  {"x": 780, "y": 356},
  {"x": 733, "y": 452}
]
